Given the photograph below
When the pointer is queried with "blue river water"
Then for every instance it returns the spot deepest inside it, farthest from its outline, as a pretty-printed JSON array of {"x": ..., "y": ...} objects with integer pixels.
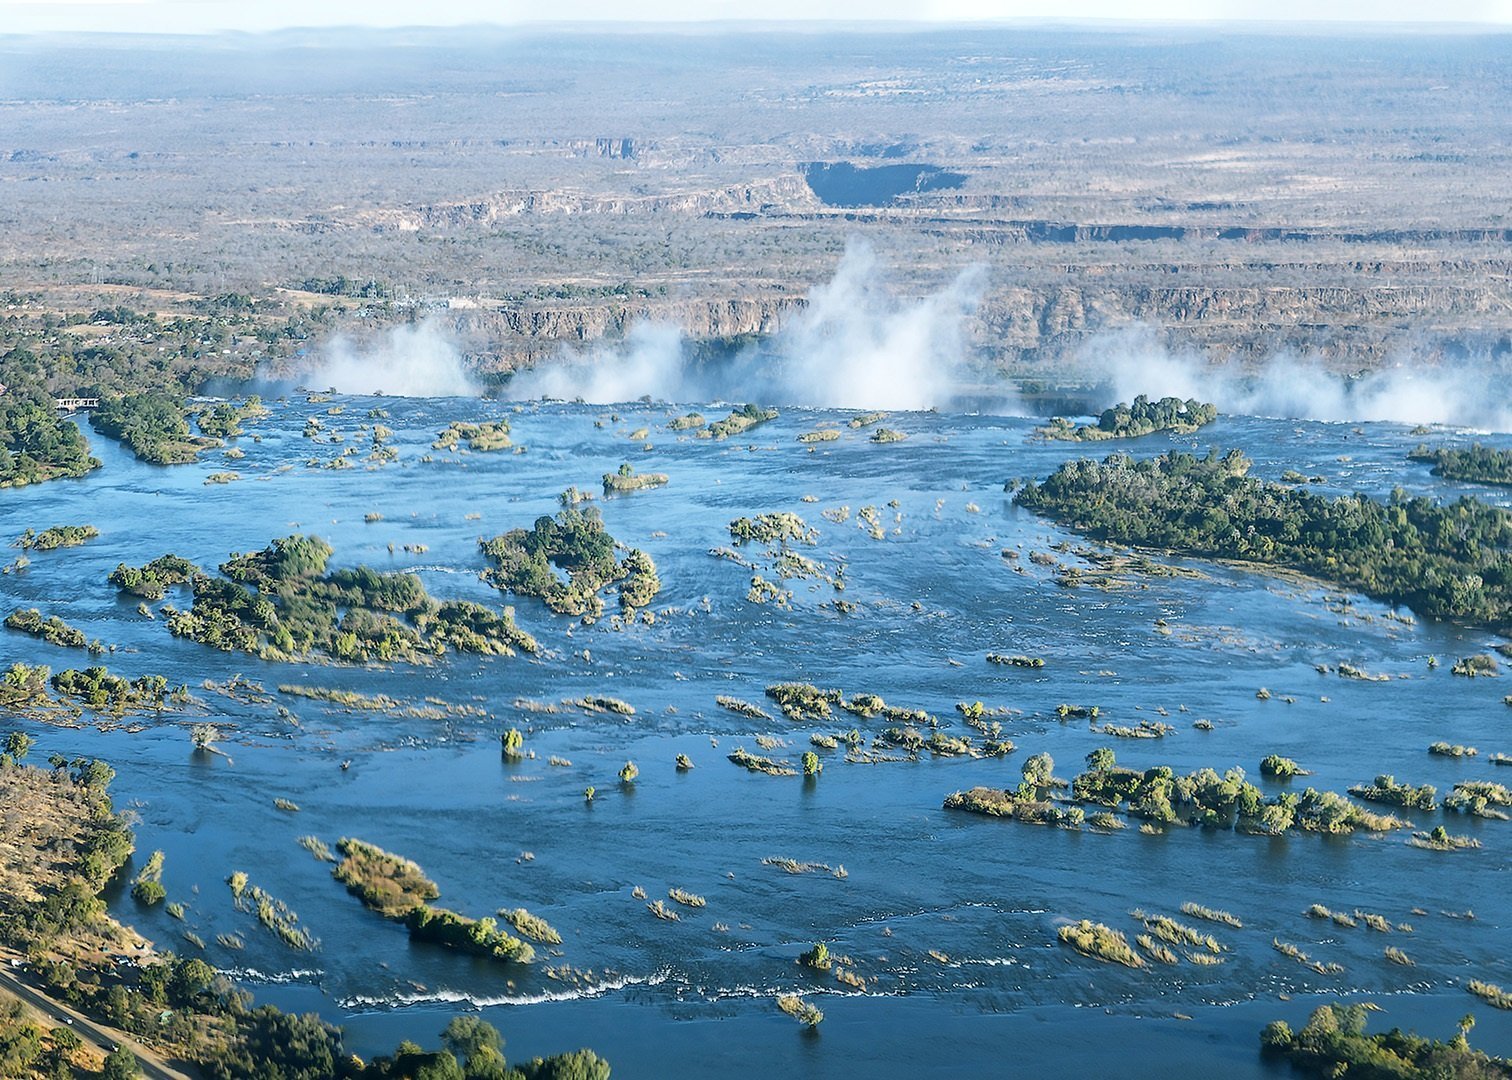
[{"x": 949, "y": 918}]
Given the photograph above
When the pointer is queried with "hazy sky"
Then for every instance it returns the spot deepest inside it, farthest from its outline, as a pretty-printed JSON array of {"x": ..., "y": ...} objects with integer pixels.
[{"x": 200, "y": 16}]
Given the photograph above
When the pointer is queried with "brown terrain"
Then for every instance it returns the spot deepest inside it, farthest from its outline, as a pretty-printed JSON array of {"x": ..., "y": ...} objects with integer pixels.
[{"x": 536, "y": 190}]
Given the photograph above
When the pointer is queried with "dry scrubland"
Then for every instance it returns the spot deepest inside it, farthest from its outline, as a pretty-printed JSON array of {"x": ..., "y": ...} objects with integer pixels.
[
  {"x": 46, "y": 820},
  {"x": 1235, "y": 195}
]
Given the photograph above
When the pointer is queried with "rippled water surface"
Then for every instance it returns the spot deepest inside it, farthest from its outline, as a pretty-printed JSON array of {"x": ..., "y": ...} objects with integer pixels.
[{"x": 950, "y": 918}]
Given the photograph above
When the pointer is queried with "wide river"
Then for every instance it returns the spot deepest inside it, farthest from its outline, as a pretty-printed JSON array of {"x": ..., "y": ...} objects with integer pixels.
[{"x": 950, "y": 918}]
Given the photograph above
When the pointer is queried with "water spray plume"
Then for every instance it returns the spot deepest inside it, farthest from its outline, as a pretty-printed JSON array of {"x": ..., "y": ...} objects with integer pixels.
[{"x": 408, "y": 361}]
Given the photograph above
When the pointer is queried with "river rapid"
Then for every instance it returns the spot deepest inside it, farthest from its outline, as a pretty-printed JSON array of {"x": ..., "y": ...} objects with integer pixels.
[{"x": 949, "y": 918}]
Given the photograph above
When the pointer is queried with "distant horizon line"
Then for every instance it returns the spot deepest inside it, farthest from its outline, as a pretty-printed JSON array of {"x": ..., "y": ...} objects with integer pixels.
[{"x": 1285, "y": 27}]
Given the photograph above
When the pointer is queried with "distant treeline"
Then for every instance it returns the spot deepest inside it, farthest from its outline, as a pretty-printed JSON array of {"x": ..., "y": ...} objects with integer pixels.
[{"x": 341, "y": 285}]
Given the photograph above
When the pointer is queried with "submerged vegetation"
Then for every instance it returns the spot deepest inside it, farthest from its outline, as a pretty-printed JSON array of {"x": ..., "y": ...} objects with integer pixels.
[
  {"x": 1100, "y": 942},
  {"x": 147, "y": 889},
  {"x": 575, "y": 541},
  {"x": 1481, "y": 798},
  {"x": 483, "y": 437},
  {"x": 531, "y": 926},
  {"x": 775, "y": 528},
  {"x": 1385, "y": 789},
  {"x": 1197, "y": 911},
  {"x": 1448, "y": 560},
  {"x": 1490, "y": 993},
  {"x": 1477, "y": 665},
  {"x": 1143, "y": 417},
  {"x": 756, "y": 763},
  {"x": 800, "y": 1010},
  {"x": 1441, "y": 839},
  {"x": 389, "y": 884},
  {"x": 804, "y": 701}
]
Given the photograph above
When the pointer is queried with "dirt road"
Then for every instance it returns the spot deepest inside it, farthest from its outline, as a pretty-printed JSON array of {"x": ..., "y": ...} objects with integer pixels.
[{"x": 19, "y": 982}]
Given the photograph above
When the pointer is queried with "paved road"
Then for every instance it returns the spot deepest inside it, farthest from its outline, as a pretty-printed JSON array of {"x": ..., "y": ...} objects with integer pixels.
[{"x": 58, "y": 1015}]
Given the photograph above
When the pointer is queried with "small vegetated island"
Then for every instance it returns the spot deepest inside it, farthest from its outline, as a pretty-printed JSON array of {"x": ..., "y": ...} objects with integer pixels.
[
  {"x": 739, "y": 421},
  {"x": 1161, "y": 797},
  {"x": 575, "y": 541},
  {"x": 59, "y": 536},
  {"x": 1143, "y": 417},
  {"x": 224, "y": 419},
  {"x": 1446, "y": 560},
  {"x": 398, "y": 889},
  {"x": 482, "y": 437},
  {"x": 282, "y": 603},
  {"x": 626, "y": 479},
  {"x": 1479, "y": 464},
  {"x": 36, "y": 444},
  {"x": 52, "y": 629},
  {"x": 1334, "y": 1043}
]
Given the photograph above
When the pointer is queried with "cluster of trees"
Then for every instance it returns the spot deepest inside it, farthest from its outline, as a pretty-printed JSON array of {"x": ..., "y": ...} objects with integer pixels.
[
  {"x": 270, "y": 1043},
  {"x": 224, "y": 419},
  {"x": 97, "y": 845},
  {"x": 23, "y": 685},
  {"x": 1479, "y": 464},
  {"x": 153, "y": 580},
  {"x": 1143, "y": 417},
  {"x": 1448, "y": 560},
  {"x": 29, "y": 1049},
  {"x": 280, "y": 602},
  {"x": 480, "y": 937},
  {"x": 1160, "y": 795},
  {"x": 99, "y": 689},
  {"x": 58, "y": 536},
  {"x": 341, "y": 285},
  {"x": 36, "y": 444},
  {"x": 152, "y": 424},
  {"x": 129, "y": 351},
  {"x": 52, "y": 629},
  {"x": 1334, "y": 1043},
  {"x": 574, "y": 541}
]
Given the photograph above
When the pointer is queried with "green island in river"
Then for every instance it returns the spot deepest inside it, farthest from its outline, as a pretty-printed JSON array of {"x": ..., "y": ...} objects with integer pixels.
[
  {"x": 1447, "y": 560},
  {"x": 1477, "y": 464}
]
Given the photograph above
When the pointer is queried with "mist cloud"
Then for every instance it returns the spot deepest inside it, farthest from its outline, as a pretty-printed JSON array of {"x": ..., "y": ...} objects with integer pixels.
[
  {"x": 407, "y": 361},
  {"x": 855, "y": 345},
  {"x": 1471, "y": 395}
]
